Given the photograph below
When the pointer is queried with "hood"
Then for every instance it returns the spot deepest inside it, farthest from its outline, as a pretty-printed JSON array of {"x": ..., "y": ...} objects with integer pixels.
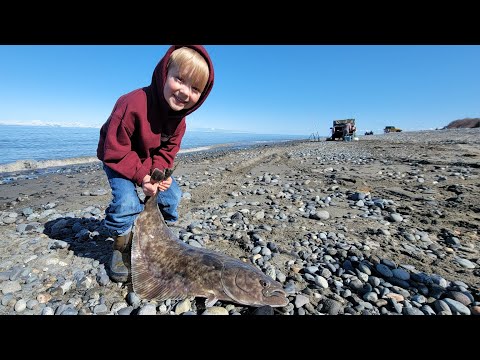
[{"x": 159, "y": 78}]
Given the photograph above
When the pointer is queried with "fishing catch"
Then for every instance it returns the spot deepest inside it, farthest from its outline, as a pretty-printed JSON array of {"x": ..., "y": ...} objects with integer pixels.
[{"x": 164, "y": 267}]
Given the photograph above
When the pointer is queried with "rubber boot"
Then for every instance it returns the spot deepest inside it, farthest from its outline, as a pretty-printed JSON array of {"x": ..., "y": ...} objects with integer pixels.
[{"x": 120, "y": 265}]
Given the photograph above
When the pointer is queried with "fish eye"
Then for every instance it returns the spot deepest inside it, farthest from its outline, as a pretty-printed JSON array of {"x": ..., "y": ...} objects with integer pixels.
[{"x": 263, "y": 283}]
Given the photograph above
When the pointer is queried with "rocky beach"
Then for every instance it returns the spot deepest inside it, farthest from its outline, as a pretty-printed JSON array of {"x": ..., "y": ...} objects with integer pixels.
[{"x": 386, "y": 225}]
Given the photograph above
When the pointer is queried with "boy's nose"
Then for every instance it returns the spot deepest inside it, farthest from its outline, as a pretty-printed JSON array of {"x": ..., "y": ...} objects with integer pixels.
[{"x": 185, "y": 90}]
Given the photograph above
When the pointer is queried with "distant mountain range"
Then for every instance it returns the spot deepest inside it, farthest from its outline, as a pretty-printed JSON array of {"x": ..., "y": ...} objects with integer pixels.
[
  {"x": 80, "y": 125},
  {"x": 44, "y": 123},
  {"x": 464, "y": 123}
]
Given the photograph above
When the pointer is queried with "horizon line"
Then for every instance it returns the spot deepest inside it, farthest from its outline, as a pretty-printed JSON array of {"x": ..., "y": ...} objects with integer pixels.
[{"x": 84, "y": 126}]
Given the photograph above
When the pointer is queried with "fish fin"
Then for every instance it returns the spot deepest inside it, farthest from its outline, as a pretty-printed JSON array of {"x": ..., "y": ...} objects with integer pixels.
[
  {"x": 150, "y": 286},
  {"x": 210, "y": 300},
  {"x": 153, "y": 278}
]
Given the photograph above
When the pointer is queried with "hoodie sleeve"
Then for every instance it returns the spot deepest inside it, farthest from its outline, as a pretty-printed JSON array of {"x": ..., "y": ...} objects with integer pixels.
[
  {"x": 165, "y": 154},
  {"x": 118, "y": 153}
]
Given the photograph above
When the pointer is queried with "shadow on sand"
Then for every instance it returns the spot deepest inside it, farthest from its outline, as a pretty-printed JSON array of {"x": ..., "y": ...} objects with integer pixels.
[{"x": 86, "y": 237}]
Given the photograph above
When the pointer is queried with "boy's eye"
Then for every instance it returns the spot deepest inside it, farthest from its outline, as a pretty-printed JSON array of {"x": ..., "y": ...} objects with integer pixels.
[{"x": 179, "y": 79}]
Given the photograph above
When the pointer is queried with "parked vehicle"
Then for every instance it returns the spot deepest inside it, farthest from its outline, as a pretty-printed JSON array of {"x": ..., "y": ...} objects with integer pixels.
[
  {"x": 389, "y": 129},
  {"x": 343, "y": 130}
]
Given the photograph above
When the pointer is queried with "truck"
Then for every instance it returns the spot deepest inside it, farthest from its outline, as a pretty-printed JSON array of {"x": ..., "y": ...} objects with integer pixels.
[
  {"x": 389, "y": 129},
  {"x": 343, "y": 130}
]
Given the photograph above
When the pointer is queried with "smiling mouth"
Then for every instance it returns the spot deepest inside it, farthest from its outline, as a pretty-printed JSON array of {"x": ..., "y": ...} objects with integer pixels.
[{"x": 179, "y": 100}]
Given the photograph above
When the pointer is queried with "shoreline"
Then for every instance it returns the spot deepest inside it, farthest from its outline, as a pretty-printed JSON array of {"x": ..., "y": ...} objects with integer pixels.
[
  {"x": 79, "y": 143},
  {"x": 28, "y": 168}
]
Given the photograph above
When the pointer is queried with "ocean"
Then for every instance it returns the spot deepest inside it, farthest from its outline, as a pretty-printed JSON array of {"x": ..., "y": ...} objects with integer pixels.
[{"x": 56, "y": 146}]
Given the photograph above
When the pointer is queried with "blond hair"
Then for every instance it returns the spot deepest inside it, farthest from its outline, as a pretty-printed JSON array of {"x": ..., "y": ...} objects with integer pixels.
[{"x": 190, "y": 63}]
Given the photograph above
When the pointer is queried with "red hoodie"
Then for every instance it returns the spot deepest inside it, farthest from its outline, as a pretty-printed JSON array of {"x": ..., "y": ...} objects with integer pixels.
[{"x": 143, "y": 132}]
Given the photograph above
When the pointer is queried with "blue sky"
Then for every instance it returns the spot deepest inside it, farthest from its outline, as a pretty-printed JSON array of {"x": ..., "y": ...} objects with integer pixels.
[{"x": 270, "y": 89}]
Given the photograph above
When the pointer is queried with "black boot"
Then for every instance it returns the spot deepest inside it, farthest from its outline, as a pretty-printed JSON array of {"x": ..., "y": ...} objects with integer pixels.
[{"x": 120, "y": 261}]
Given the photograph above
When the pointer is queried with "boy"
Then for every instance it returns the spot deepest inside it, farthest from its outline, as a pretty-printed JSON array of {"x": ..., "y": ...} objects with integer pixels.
[{"x": 143, "y": 133}]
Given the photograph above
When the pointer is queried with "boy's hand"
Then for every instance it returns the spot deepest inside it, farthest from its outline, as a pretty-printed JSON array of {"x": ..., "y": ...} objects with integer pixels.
[
  {"x": 149, "y": 186},
  {"x": 165, "y": 184}
]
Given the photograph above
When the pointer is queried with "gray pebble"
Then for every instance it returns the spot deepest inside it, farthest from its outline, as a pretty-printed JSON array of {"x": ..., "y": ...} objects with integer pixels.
[
  {"x": 457, "y": 306},
  {"x": 47, "y": 311},
  {"x": 125, "y": 311},
  {"x": 133, "y": 299},
  {"x": 384, "y": 270},
  {"x": 20, "y": 305},
  {"x": 148, "y": 309},
  {"x": 32, "y": 303},
  {"x": 412, "y": 311}
]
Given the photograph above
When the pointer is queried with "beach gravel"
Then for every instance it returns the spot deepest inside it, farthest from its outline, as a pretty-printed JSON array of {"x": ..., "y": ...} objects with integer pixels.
[{"x": 386, "y": 225}]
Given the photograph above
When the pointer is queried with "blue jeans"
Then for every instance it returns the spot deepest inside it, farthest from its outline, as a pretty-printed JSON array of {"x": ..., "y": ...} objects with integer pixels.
[{"x": 125, "y": 205}]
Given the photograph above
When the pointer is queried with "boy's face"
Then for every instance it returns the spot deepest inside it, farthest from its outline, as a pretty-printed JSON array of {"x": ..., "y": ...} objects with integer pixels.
[{"x": 179, "y": 92}]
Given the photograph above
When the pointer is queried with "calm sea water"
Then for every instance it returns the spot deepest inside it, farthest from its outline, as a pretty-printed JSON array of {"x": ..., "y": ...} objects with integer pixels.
[{"x": 55, "y": 143}]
